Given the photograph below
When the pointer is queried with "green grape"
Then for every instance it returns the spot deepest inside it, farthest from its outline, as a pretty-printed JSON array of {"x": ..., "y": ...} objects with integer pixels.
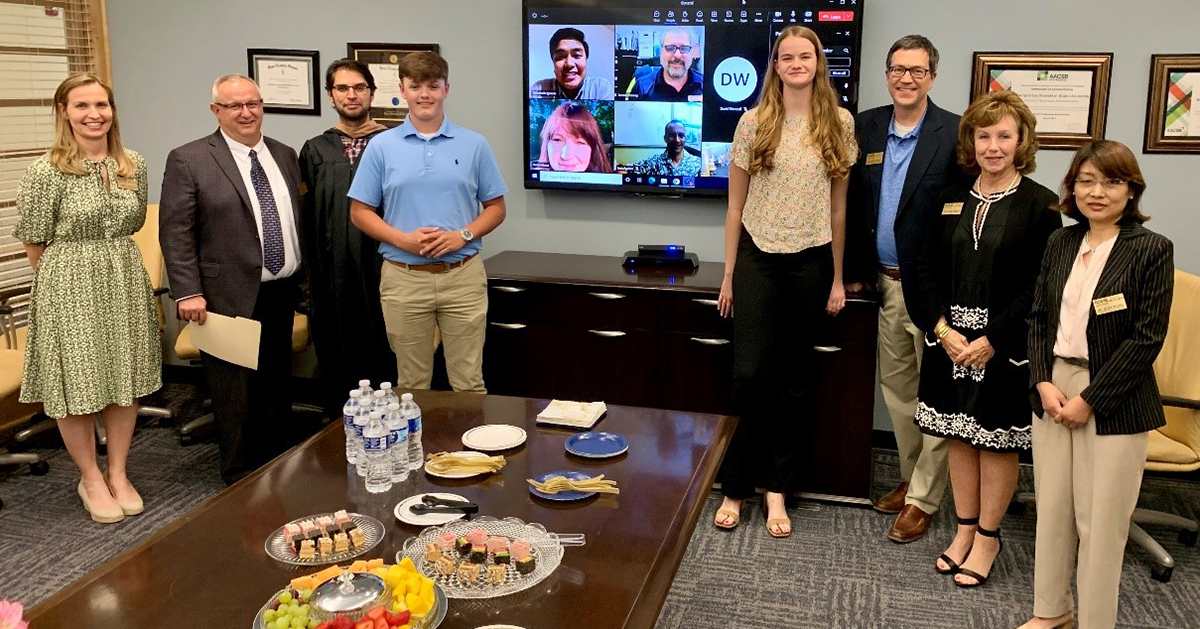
[
  {"x": 269, "y": 615},
  {"x": 312, "y": 623},
  {"x": 305, "y": 595},
  {"x": 306, "y": 608},
  {"x": 296, "y": 612},
  {"x": 283, "y": 622},
  {"x": 299, "y": 623},
  {"x": 285, "y": 598}
]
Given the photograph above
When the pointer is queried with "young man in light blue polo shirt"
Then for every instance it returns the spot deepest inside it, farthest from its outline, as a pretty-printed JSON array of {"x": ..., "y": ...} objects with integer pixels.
[{"x": 428, "y": 191}]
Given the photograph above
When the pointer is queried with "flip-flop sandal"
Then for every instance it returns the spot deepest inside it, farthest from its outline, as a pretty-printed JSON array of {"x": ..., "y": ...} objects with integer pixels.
[{"x": 733, "y": 516}]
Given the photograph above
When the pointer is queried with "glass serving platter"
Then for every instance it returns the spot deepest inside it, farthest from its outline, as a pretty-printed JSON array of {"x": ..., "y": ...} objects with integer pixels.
[{"x": 279, "y": 550}]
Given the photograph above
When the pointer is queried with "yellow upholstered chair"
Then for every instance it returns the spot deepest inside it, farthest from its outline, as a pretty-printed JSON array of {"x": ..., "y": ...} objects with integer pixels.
[
  {"x": 1176, "y": 446},
  {"x": 13, "y": 413}
]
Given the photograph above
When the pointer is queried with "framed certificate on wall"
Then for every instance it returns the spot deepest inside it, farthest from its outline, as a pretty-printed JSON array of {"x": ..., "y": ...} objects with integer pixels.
[
  {"x": 287, "y": 79},
  {"x": 1173, "y": 105},
  {"x": 383, "y": 60},
  {"x": 1067, "y": 92}
]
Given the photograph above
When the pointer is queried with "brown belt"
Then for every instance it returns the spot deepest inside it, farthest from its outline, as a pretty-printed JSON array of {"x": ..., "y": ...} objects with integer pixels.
[
  {"x": 890, "y": 272},
  {"x": 1078, "y": 362},
  {"x": 436, "y": 267}
]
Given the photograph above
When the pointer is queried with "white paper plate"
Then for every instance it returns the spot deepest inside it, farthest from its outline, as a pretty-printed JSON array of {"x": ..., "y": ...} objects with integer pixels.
[
  {"x": 493, "y": 437},
  {"x": 465, "y": 453},
  {"x": 429, "y": 519}
]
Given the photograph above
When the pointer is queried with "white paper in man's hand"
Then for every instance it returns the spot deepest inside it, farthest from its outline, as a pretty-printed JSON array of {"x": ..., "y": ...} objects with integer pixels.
[{"x": 232, "y": 339}]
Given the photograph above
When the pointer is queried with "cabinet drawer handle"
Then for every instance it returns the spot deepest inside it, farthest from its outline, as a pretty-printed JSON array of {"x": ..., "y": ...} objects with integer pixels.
[
  {"x": 826, "y": 349},
  {"x": 706, "y": 302},
  {"x": 710, "y": 341},
  {"x": 607, "y": 295},
  {"x": 608, "y": 334},
  {"x": 509, "y": 326},
  {"x": 510, "y": 289}
]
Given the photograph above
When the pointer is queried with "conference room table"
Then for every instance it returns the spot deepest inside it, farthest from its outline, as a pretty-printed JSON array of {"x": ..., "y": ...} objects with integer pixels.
[{"x": 209, "y": 569}]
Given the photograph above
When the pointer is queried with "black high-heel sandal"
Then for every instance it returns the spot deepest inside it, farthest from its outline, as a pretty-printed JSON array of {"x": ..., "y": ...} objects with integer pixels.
[
  {"x": 954, "y": 567},
  {"x": 980, "y": 579}
]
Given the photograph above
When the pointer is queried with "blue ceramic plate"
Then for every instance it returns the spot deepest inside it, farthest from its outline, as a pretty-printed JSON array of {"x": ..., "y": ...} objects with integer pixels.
[
  {"x": 562, "y": 495},
  {"x": 597, "y": 445}
]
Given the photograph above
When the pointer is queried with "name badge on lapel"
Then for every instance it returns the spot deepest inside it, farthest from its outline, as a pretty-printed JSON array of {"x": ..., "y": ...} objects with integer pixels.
[
  {"x": 874, "y": 158},
  {"x": 952, "y": 209},
  {"x": 127, "y": 183},
  {"x": 1112, "y": 303}
]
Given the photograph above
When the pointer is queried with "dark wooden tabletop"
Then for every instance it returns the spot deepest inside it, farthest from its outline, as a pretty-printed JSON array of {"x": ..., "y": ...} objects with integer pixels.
[
  {"x": 208, "y": 569},
  {"x": 570, "y": 268}
]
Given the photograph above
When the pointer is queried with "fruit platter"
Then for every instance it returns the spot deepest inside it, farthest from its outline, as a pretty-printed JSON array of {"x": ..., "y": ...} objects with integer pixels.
[
  {"x": 485, "y": 557},
  {"x": 395, "y": 597}
]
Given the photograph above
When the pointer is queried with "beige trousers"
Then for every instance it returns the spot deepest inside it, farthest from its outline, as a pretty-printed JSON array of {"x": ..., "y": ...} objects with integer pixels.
[
  {"x": 1087, "y": 487},
  {"x": 456, "y": 302},
  {"x": 922, "y": 457}
]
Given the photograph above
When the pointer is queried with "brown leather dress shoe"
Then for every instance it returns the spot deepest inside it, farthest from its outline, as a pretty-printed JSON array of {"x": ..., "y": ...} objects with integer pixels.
[
  {"x": 910, "y": 525},
  {"x": 893, "y": 501}
]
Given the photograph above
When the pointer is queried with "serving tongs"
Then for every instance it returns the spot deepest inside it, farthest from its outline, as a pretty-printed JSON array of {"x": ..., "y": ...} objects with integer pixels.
[
  {"x": 568, "y": 539},
  {"x": 433, "y": 504}
]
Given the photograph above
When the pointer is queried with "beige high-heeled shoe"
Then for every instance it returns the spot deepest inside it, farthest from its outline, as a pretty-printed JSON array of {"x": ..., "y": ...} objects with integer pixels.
[
  {"x": 109, "y": 516},
  {"x": 128, "y": 507}
]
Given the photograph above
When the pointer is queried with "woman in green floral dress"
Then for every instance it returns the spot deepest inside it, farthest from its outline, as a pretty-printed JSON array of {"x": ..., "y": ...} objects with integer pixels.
[{"x": 93, "y": 343}]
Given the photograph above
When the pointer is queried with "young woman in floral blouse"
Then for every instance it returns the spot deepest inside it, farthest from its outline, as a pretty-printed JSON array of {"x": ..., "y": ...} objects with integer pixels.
[{"x": 784, "y": 236}]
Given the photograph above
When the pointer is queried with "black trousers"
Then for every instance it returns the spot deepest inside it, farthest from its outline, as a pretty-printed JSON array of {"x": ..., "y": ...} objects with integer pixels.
[
  {"x": 778, "y": 310},
  {"x": 251, "y": 406}
]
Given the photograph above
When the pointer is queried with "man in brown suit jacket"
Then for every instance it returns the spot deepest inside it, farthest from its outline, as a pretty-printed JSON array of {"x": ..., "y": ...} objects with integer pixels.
[{"x": 229, "y": 229}]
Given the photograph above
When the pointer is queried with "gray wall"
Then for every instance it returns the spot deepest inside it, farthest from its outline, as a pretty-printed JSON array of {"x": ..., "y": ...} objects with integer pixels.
[{"x": 167, "y": 52}]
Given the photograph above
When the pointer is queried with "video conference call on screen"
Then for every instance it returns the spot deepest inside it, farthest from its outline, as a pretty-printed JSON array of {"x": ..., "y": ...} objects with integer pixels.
[{"x": 643, "y": 96}]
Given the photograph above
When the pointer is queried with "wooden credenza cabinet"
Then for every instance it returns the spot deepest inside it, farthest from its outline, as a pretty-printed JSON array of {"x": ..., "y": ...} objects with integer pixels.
[{"x": 579, "y": 327}]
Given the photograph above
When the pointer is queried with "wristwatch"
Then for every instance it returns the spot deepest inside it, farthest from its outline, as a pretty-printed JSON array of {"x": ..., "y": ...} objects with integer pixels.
[{"x": 467, "y": 235}]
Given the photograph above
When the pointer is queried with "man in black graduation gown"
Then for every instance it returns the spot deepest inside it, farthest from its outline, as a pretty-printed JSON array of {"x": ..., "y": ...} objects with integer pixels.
[{"x": 346, "y": 321}]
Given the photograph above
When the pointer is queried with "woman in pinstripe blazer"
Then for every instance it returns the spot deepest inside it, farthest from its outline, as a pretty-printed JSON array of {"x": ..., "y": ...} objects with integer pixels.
[{"x": 1098, "y": 321}]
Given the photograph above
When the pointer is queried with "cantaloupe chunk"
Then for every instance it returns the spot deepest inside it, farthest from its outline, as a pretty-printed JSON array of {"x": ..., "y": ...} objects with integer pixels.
[
  {"x": 358, "y": 566},
  {"x": 325, "y": 575},
  {"x": 303, "y": 583},
  {"x": 375, "y": 563}
]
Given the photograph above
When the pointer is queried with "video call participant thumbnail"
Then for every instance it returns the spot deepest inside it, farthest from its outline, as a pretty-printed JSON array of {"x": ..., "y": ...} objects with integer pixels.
[
  {"x": 571, "y": 141},
  {"x": 569, "y": 52},
  {"x": 675, "y": 161},
  {"x": 675, "y": 78}
]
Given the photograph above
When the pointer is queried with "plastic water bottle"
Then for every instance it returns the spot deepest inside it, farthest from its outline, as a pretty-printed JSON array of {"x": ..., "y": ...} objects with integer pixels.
[
  {"x": 360, "y": 423},
  {"x": 389, "y": 394},
  {"x": 411, "y": 412},
  {"x": 365, "y": 386},
  {"x": 348, "y": 412},
  {"x": 378, "y": 457},
  {"x": 397, "y": 442},
  {"x": 379, "y": 402}
]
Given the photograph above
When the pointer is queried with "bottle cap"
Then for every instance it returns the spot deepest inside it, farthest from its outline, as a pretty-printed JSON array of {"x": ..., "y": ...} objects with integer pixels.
[
  {"x": 364, "y": 383},
  {"x": 407, "y": 397}
]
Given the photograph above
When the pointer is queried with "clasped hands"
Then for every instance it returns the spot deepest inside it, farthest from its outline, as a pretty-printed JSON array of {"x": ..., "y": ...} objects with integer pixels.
[
  {"x": 974, "y": 354},
  {"x": 430, "y": 242},
  {"x": 1072, "y": 413}
]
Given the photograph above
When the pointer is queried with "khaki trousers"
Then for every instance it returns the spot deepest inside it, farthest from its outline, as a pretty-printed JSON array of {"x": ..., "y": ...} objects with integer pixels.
[
  {"x": 1087, "y": 487},
  {"x": 456, "y": 302},
  {"x": 922, "y": 457}
]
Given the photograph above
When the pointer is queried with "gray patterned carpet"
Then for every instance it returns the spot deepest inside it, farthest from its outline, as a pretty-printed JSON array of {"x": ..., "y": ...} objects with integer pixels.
[{"x": 836, "y": 571}]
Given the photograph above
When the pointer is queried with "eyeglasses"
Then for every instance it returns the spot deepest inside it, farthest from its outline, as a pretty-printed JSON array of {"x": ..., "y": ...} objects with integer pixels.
[
  {"x": 252, "y": 105},
  {"x": 671, "y": 48},
  {"x": 361, "y": 88},
  {"x": 1108, "y": 184},
  {"x": 897, "y": 72}
]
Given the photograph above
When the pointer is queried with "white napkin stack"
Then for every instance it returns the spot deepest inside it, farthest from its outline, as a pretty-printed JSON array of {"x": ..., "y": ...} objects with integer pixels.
[{"x": 572, "y": 414}]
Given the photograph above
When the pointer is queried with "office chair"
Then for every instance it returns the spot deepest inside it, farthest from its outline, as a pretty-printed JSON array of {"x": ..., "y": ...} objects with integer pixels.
[
  {"x": 12, "y": 364},
  {"x": 1176, "y": 446}
]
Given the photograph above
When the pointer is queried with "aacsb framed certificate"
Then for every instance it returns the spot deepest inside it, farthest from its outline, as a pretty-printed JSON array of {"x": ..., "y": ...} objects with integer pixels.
[
  {"x": 1067, "y": 92},
  {"x": 287, "y": 79},
  {"x": 1173, "y": 114}
]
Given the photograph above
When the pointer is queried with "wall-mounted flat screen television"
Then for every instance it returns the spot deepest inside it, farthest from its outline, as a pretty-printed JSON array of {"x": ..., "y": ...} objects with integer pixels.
[{"x": 643, "y": 96}]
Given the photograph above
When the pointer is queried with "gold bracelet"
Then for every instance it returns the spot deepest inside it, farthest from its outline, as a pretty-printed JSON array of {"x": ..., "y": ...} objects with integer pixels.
[{"x": 941, "y": 330}]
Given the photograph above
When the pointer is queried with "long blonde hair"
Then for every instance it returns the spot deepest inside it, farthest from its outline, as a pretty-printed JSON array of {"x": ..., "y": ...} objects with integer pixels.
[
  {"x": 65, "y": 154},
  {"x": 823, "y": 124}
]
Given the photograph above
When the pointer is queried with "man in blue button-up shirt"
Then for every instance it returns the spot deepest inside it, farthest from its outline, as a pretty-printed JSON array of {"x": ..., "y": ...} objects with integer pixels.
[
  {"x": 906, "y": 157},
  {"x": 428, "y": 191}
]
